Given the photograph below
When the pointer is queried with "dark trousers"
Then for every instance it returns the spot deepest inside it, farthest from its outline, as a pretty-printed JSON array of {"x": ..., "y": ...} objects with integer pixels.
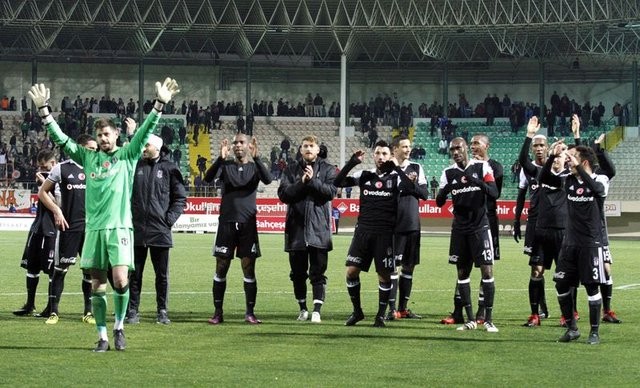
[
  {"x": 315, "y": 261},
  {"x": 160, "y": 261}
]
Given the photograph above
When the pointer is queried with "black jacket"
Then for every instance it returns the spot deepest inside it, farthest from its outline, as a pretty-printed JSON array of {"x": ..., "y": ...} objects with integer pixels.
[
  {"x": 309, "y": 206},
  {"x": 158, "y": 199}
]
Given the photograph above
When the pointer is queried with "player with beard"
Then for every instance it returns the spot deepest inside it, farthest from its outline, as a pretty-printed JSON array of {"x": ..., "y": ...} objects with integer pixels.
[
  {"x": 109, "y": 228},
  {"x": 470, "y": 183},
  {"x": 237, "y": 229},
  {"x": 307, "y": 189},
  {"x": 406, "y": 243},
  {"x": 68, "y": 179},
  {"x": 379, "y": 191},
  {"x": 479, "y": 150},
  {"x": 606, "y": 168},
  {"x": 582, "y": 255}
]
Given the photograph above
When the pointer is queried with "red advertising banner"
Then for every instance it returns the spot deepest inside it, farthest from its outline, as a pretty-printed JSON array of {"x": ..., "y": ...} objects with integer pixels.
[
  {"x": 201, "y": 213},
  {"x": 272, "y": 212}
]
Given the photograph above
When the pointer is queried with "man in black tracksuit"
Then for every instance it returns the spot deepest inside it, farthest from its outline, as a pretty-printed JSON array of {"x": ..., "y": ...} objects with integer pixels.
[
  {"x": 158, "y": 199},
  {"x": 307, "y": 188}
]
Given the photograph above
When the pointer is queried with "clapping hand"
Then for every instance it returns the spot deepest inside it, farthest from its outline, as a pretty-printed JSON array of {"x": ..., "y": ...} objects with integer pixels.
[{"x": 224, "y": 149}]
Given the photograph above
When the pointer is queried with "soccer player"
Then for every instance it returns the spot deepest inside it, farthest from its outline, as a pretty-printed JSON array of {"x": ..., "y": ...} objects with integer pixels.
[
  {"x": 158, "y": 199},
  {"x": 470, "y": 182},
  {"x": 67, "y": 178},
  {"x": 39, "y": 250},
  {"x": 582, "y": 256},
  {"x": 307, "y": 188},
  {"x": 372, "y": 240},
  {"x": 237, "y": 229},
  {"x": 406, "y": 243},
  {"x": 109, "y": 226},
  {"x": 529, "y": 179},
  {"x": 606, "y": 168},
  {"x": 480, "y": 151}
]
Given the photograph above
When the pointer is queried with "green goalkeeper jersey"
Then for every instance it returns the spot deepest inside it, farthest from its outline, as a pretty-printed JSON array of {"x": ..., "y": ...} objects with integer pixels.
[{"x": 109, "y": 176}]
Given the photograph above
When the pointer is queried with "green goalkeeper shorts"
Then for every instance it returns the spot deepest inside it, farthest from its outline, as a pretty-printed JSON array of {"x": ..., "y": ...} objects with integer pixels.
[{"x": 107, "y": 247}]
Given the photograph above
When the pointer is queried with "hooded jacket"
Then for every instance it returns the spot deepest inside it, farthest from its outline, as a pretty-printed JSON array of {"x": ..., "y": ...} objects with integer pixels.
[
  {"x": 158, "y": 199},
  {"x": 309, "y": 206}
]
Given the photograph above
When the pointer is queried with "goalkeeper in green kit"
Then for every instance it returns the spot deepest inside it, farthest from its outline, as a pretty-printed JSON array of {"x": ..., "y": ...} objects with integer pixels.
[{"x": 109, "y": 228}]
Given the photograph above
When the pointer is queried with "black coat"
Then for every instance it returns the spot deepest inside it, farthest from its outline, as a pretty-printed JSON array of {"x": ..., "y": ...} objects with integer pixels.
[
  {"x": 309, "y": 206},
  {"x": 158, "y": 199}
]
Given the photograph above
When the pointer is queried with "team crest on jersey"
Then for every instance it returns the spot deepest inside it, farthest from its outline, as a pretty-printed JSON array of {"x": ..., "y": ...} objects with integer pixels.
[
  {"x": 159, "y": 174},
  {"x": 474, "y": 175},
  {"x": 596, "y": 261},
  {"x": 114, "y": 160},
  {"x": 81, "y": 176},
  {"x": 124, "y": 241},
  {"x": 486, "y": 244},
  {"x": 389, "y": 184},
  {"x": 580, "y": 191},
  {"x": 389, "y": 251}
]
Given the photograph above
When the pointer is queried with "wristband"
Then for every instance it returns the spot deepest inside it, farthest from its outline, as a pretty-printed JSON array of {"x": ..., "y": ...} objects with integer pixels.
[
  {"x": 158, "y": 106},
  {"x": 44, "y": 111}
]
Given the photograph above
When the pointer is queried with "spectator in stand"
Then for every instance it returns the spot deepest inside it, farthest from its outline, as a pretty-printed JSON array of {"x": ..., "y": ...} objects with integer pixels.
[
  {"x": 240, "y": 124},
  {"x": 506, "y": 106},
  {"x": 201, "y": 162},
  {"x": 285, "y": 145},
  {"x": 433, "y": 185},
  {"x": 182, "y": 134},
  {"x": 249, "y": 124},
  {"x": 515, "y": 171},
  {"x": 443, "y": 146},
  {"x": 317, "y": 105},
  {"x": 373, "y": 138},
  {"x": 177, "y": 156}
]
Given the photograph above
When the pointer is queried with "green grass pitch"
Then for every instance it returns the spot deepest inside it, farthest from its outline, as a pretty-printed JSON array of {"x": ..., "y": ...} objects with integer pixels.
[{"x": 284, "y": 352}]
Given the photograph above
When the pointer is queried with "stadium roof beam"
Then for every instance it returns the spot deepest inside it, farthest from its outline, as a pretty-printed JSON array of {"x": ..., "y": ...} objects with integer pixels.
[{"x": 365, "y": 30}]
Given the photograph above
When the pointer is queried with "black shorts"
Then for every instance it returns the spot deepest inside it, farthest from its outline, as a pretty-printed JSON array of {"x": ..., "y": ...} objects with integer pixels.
[
  {"x": 530, "y": 247},
  {"x": 406, "y": 248},
  {"x": 583, "y": 264},
  {"x": 69, "y": 246},
  {"x": 39, "y": 253},
  {"x": 471, "y": 247},
  {"x": 368, "y": 246},
  {"x": 495, "y": 235},
  {"x": 241, "y": 238},
  {"x": 548, "y": 244}
]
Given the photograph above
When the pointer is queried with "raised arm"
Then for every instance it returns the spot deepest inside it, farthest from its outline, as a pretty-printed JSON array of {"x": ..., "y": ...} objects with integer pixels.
[
  {"x": 40, "y": 95},
  {"x": 164, "y": 93},
  {"x": 342, "y": 179},
  {"x": 607, "y": 167},
  {"x": 527, "y": 165}
]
